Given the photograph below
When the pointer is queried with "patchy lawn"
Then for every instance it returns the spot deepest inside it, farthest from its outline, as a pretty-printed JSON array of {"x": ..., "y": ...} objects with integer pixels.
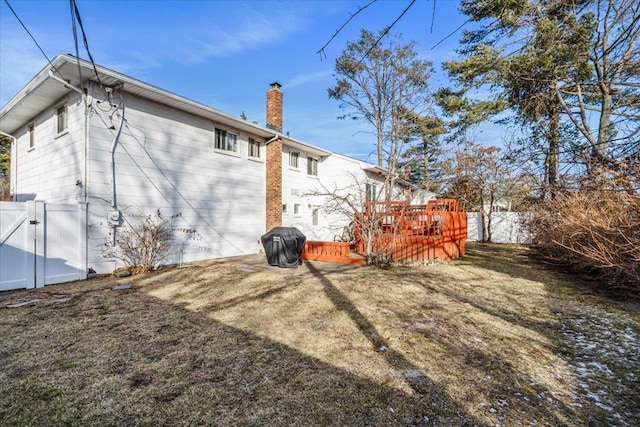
[{"x": 489, "y": 339}]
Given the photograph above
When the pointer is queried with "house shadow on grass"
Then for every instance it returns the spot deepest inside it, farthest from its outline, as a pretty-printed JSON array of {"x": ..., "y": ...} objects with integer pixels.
[{"x": 126, "y": 358}]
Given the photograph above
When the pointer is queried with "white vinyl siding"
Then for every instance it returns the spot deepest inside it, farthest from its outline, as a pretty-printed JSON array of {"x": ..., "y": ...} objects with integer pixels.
[
  {"x": 48, "y": 169},
  {"x": 164, "y": 161}
]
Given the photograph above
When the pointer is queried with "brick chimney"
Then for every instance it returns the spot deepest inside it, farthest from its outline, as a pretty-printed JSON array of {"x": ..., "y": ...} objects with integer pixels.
[
  {"x": 274, "y": 159},
  {"x": 274, "y": 107}
]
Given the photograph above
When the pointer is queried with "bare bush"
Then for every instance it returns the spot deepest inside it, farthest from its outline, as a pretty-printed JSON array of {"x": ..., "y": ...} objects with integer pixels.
[
  {"x": 594, "y": 231},
  {"x": 143, "y": 243},
  {"x": 5, "y": 194}
]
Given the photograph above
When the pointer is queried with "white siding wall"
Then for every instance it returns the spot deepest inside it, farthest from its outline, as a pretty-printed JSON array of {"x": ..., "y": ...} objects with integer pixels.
[
  {"x": 49, "y": 171},
  {"x": 336, "y": 174},
  {"x": 166, "y": 160}
]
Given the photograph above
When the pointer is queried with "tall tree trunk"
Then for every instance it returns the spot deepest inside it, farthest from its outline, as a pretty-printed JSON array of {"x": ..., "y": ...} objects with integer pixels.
[{"x": 554, "y": 152}]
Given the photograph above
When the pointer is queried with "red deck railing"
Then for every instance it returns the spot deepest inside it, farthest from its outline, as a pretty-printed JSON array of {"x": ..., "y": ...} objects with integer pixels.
[{"x": 404, "y": 233}]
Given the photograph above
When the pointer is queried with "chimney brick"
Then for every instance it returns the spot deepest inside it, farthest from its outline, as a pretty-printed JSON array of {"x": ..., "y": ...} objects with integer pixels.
[
  {"x": 274, "y": 107},
  {"x": 274, "y": 184},
  {"x": 274, "y": 159}
]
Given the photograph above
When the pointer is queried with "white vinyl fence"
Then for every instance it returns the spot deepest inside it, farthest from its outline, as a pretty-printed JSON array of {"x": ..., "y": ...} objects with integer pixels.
[
  {"x": 506, "y": 227},
  {"x": 42, "y": 244}
]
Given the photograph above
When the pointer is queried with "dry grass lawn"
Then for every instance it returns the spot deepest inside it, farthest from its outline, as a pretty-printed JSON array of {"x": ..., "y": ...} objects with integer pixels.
[{"x": 490, "y": 339}]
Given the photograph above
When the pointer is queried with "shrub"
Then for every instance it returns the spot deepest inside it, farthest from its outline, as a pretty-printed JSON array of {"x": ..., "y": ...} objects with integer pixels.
[
  {"x": 593, "y": 231},
  {"x": 144, "y": 241}
]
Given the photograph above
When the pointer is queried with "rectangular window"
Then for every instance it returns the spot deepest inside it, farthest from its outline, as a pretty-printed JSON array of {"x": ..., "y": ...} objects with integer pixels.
[
  {"x": 296, "y": 209},
  {"x": 312, "y": 166},
  {"x": 284, "y": 209},
  {"x": 32, "y": 135},
  {"x": 61, "y": 119},
  {"x": 254, "y": 148},
  {"x": 226, "y": 141},
  {"x": 293, "y": 159},
  {"x": 370, "y": 190},
  {"x": 314, "y": 216}
]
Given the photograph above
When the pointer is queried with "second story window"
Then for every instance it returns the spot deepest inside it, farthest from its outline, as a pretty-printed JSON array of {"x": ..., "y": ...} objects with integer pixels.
[
  {"x": 371, "y": 192},
  {"x": 312, "y": 166},
  {"x": 293, "y": 159},
  {"x": 226, "y": 141},
  {"x": 31, "y": 130},
  {"x": 254, "y": 148},
  {"x": 61, "y": 119}
]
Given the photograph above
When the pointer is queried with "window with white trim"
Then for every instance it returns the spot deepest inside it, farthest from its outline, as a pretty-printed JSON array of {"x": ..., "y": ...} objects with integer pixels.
[
  {"x": 314, "y": 216},
  {"x": 31, "y": 130},
  {"x": 293, "y": 159},
  {"x": 284, "y": 209},
  {"x": 296, "y": 209},
  {"x": 62, "y": 121},
  {"x": 226, "y": 141},
  {"x": 370, "y": 192},
  {"x": 254, "y": 148},
  {"x": 312, "y": 166}
]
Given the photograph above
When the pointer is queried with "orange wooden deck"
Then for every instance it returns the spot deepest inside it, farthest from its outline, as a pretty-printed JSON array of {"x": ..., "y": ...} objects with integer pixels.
[
  {"x": 330, "y": 252},
  {"x": 409, "y": 233}
]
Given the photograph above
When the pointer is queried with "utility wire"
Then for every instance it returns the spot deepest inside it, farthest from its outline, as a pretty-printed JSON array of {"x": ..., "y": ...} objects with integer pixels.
[
  {"x": 32, "y": 38},
  {"x": 75, "y": 40},
  {"x": 352, "y": 15},
  {"x": 75, "y": 10},
  {"x": 385, "y": 32}
]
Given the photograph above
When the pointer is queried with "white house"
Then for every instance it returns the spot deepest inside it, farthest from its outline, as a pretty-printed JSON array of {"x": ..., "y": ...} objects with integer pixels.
[{"x": 124, "y": 147}]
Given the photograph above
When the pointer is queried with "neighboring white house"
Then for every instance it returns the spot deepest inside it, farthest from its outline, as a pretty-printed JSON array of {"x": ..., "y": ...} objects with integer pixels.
[{"x": 126, "y": 147}]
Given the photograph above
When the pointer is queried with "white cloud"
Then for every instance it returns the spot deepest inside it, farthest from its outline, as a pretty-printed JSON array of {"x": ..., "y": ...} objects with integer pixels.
[{"x": 306, "y": 78}]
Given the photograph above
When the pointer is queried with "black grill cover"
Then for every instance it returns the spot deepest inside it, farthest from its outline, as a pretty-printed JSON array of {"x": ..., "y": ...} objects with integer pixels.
[{"x": 284, "y": 246}]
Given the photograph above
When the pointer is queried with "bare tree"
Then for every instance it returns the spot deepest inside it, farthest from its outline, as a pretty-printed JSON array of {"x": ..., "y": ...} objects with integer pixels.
[
  {"x": 483, "y": 179},
  {"x": 357, "y": 203},
  {"x": 379, "y": 83}
]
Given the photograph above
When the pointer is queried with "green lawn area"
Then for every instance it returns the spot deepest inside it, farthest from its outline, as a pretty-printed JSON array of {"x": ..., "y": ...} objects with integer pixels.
[{"x": 491, "y": 338}]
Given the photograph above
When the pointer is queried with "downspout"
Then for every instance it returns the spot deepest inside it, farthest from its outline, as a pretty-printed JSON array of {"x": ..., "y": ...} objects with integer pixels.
[
  {"x": 271, "y": 140},
  {"x": 13, "y": 164},
  {"x": 112, "y": 167}
]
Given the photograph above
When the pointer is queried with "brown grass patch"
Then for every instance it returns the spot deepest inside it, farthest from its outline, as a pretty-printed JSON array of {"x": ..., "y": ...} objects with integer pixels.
[{"x": 491, "y": 338}]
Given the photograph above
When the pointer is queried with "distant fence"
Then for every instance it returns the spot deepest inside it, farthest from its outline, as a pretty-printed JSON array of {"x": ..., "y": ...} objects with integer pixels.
[{"x": 506, "y": 227}]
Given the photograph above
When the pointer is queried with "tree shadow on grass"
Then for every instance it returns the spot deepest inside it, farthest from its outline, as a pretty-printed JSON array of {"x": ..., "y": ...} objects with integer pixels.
[{"x": 429, "y": 394}]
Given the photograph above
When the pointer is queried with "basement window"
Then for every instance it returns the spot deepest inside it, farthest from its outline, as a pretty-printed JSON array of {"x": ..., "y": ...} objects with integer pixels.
[{"x": 226, "y": 141}]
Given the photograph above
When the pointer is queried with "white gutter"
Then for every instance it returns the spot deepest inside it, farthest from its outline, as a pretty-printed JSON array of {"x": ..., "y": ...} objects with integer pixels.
[{"x": 13, "y": 164}]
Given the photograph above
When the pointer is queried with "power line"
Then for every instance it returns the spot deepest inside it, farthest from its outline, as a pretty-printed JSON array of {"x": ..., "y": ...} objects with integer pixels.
[
  {"x": 74, "y": 9},
  {"x": 32, "y": 38}
]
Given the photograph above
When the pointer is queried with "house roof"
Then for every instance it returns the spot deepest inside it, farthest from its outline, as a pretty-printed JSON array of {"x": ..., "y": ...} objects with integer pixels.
[{"x": 43, "y": 90}]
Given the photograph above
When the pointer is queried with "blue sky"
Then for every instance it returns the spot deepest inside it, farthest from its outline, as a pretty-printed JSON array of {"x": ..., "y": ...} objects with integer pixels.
[{"x": 226, "y": 53}]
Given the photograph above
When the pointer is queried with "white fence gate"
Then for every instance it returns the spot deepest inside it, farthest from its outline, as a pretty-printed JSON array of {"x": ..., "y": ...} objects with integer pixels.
[{"x": 42, "y": 244}]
